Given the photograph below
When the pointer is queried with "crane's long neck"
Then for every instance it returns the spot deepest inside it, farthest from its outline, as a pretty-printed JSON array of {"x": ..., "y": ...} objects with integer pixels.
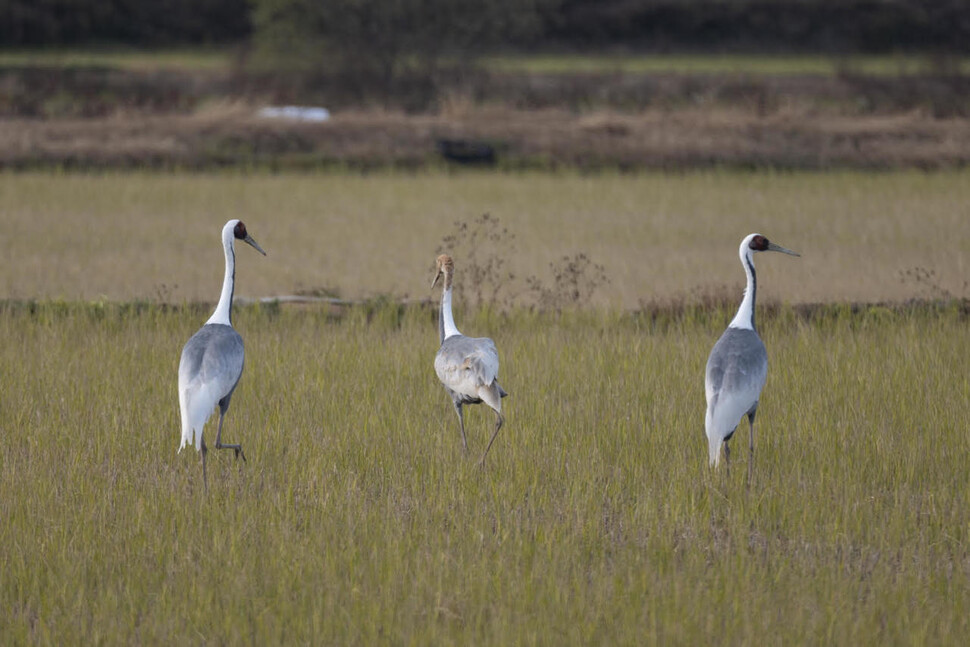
[
  {"x": 446, "y": 321},
  {"x": 223, "y": 313},
  {"x": 745, "y": 316}
]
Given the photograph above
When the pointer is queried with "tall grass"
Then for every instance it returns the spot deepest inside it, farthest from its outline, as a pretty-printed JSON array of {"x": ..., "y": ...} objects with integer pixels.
[
  {"x": 740, "y": 64},
  {"x": 185, "y": 58},
  {"x": 659, "y": 236},
  {"x": 358, "y": 520},
  {"x": 221, "y": 59}
]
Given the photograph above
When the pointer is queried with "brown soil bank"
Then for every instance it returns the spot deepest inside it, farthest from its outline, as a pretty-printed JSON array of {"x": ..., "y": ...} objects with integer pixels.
[
  {"x": 117, "y": 119},
  {"x": 509, "y": 139}
]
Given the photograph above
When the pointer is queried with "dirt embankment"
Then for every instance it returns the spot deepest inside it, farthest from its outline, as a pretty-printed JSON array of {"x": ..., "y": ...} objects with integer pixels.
[{"x": 113, "y": 119}]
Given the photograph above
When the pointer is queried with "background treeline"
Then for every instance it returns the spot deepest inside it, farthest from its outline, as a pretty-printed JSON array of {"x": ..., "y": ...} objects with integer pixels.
[
  {"x": 128, "y": 22},
  {"x": 756, "y": 25},
  {"x": 941, "y": 26}
]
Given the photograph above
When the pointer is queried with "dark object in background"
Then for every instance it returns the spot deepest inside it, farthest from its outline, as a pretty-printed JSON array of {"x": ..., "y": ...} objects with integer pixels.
[{"x": 465, "y": 151}]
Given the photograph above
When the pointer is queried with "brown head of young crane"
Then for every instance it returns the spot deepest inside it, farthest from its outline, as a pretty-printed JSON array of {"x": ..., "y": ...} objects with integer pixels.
[{"x": 466, "y": 366}]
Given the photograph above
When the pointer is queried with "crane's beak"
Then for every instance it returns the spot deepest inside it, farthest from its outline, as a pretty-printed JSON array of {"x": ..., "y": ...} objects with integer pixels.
[
  {"x": 437, "y": 275},
  {"x": 778, "y": 248},
  {"x": 249, "y": 239}
]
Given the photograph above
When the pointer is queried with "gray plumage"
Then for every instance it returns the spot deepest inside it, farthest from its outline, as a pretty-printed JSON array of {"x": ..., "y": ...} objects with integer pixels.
[
  {"x": 738, "y": 362},
  {"x": 210, "y": 367},
  {"x": 476, "y": 361},
  {"x": 736, "y": 373}
]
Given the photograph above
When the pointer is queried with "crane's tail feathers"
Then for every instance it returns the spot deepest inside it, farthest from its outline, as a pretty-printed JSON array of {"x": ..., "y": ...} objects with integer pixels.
[
  {"x": 713, "y": 439},
  {"x": 492, "y": 395},
  {"x": 501, "y": 391},
  {"x": 196, "y": 404},
  {"x": 714, "y": 451}
]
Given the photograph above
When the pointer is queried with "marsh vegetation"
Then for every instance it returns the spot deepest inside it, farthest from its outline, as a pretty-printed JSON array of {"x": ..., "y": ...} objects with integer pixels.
[{"x": 358, "y": 519}]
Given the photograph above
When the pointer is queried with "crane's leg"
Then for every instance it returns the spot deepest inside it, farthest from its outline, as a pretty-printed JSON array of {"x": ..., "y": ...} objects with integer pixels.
[
  {"x": 751, "y": 436},
  {"x": 499, "y": 420},
  {"x": 727, "y": 458},
  {"x": 461, "y": 423},
  {"x": 751, "y": 443},
  {"x": 205, "y": 477},
  {"x": 492, "y": 396},
  {"x": 219, "y": 445}
]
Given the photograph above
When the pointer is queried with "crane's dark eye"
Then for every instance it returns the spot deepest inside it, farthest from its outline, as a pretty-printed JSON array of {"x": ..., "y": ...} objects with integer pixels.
[
  {"x": 239, "y": 231},
  {"x": 758, "y": 243}
]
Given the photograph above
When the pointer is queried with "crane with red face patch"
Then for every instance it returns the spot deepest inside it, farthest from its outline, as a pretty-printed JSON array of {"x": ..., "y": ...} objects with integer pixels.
[
  {"x": 212, "y": 359},
  {"x": 738, "y": 364}
]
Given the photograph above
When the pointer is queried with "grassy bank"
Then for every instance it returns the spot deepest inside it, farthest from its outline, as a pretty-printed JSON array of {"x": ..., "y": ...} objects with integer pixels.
[
  {"x": 200, "y": 109},
  {"x": 223, "y": 59},
  {"x": 660, "y": 237},
  {"x": 358, "y": 520}
]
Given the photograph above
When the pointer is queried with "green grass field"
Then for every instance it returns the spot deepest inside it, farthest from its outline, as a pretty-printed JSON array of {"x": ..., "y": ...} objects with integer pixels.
[
  {"x": 660, "y": 237},
  {"x": 200, "y": 58},
  {"x": 216, "y": 59},
  {"x": 358, "y": 520},
  {"x": 741, "y": 64}
]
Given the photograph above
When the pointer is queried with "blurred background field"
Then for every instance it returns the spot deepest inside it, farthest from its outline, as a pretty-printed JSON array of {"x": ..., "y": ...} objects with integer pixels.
[
  {"x": 225, "y": 58},
  {"x": 656, "y": 84},
  {"x": 659, "y": 238}
]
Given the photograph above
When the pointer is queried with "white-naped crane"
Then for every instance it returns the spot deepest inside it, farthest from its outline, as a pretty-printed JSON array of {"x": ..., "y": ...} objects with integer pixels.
[
  {"x": 212, "y": 359},
  {"x": 738, "y": 364},
  {"x": 466, "y": 366}
]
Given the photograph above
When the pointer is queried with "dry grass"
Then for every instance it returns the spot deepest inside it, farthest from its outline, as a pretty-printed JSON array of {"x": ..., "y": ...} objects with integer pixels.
[
  {"x": 661, "y": 237},
  {"x": 724, "y": 64},
  {"x": 357, "y": 520},
  {"x": 230, "y": 133}
]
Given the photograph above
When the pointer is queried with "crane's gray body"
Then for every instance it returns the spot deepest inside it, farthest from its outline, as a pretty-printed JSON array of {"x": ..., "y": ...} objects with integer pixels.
[
  {"x": 467, "y": 367},
  {"x": 736, "y": 371},
  {"x": 209, "y": 370}
]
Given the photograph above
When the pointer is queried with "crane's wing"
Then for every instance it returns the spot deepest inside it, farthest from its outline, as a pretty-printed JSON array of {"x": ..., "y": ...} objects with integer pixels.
[
  {"x": 736, "y": 373},
  {"x": 209, "y": 370},
  {"x": 464, "y": 364}
]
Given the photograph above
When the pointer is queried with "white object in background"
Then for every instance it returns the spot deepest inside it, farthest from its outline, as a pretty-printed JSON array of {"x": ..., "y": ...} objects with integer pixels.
[{"x": 296, "y": 113}]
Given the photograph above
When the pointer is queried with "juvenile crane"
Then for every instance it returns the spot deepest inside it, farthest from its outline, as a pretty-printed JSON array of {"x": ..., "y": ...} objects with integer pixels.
[
  {"x": 738, "y": 364},
  {"x": 212, "y": 359},
  {"x": 466, "y": 366}
]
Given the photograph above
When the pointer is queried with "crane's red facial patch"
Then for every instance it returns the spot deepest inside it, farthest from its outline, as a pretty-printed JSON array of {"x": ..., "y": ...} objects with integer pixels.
[
  {"x": 758, "y": 243},
  {"x": 239, "y": 231}
]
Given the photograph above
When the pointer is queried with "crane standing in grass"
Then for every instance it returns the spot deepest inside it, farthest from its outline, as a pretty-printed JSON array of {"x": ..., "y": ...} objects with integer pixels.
[
  {"x": 212, "y": 359},
  {"x": 738, "y": 364},
  {"x": 466, "y": 366}
]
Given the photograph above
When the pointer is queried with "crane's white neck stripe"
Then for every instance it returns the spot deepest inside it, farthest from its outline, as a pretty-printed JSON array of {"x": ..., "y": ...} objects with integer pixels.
[
  {"x": 745, "y": 316},
  {"x": 448, "y": 327},
  {"x": 223, "y": 313}
]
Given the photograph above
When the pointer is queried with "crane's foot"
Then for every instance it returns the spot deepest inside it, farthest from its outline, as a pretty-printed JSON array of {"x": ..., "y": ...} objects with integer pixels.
[{"x": 236, "y": 448}]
